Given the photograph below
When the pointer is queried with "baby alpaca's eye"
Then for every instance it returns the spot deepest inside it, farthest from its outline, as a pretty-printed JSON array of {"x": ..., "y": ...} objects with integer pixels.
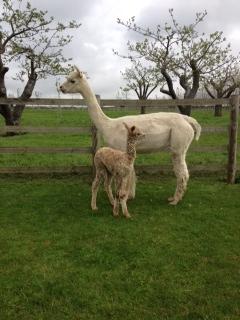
[{"x": 72, "y": 81}]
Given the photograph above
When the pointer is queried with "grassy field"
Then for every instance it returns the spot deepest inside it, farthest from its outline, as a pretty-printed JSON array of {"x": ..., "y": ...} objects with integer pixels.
[
  {"x": 60, "y": 261},
  {"x": 71, "y": 118}
]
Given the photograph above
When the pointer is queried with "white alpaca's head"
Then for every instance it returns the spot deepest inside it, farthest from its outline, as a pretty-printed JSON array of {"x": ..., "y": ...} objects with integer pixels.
[{"x": 74, "y": 83}]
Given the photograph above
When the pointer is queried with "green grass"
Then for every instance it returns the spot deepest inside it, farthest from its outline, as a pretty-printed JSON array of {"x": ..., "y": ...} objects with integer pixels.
[
  {"x": 74, "y": 118},
  {"x": 60, "y": 261}
]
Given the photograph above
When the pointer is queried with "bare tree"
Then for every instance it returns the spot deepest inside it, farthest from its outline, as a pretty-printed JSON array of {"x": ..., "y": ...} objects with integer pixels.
[
  {"x": 223, "y": 82},
  {"x": 142, "y": 80},
  {"x": 182, "y": 55},
  {"x": 35, "y": 42}
]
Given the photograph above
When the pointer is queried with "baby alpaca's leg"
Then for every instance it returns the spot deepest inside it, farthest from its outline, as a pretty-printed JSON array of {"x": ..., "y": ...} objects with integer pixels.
[
  {"x": 123, "y": 201},
  {"x": 95, "y": 186},
  {"x": 123, "y": 196},
  {"x": 116, "y": 207},
  {"x": 116, "y": 200},
  {"x": 108, "y": 189}
]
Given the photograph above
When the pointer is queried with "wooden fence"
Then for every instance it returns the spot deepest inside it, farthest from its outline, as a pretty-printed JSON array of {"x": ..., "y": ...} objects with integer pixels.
[{"x": 232, "y": 103}]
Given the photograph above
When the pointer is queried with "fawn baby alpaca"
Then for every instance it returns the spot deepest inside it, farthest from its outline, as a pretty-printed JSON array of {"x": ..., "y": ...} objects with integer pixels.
[{"x": 111, "y": 163}]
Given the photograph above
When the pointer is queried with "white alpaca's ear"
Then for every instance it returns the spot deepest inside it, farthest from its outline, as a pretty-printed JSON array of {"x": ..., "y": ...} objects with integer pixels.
[{"x": 78, "y": 71}]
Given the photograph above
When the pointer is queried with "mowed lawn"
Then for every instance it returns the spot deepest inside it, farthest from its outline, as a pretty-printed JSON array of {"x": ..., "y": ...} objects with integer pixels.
[{"x": 61, "y": 261}]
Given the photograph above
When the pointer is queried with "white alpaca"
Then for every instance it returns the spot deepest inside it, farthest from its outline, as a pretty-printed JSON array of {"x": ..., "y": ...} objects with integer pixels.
[
  {"x": 111, "y": 163},
  {"x": 162, "y": 131}
]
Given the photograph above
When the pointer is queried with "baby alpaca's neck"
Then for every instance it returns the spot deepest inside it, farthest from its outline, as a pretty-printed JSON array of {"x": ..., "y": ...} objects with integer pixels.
[{"x": 131, "y": 147}]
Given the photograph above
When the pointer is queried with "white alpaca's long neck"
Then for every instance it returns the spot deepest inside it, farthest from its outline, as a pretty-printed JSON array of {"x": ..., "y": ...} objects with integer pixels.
[{"x": 96, "y": 114}]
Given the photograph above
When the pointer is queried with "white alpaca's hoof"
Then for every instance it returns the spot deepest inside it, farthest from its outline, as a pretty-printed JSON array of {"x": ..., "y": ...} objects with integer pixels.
[
  {"x": 94, "y": 208},
  {"x": 170, "y": 199}
]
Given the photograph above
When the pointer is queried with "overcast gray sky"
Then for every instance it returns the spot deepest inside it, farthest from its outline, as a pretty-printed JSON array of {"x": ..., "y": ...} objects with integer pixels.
[{"x": 91, "y": 48}]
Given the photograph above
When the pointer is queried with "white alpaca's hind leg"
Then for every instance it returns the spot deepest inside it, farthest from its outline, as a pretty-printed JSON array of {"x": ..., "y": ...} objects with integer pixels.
[{"x": 182, "y": 175}]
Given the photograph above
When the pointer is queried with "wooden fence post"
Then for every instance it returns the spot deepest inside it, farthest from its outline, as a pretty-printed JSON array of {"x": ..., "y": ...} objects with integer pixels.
[
  {"x": 96, "y": 139},
  {"x": 232, "y": 147}
]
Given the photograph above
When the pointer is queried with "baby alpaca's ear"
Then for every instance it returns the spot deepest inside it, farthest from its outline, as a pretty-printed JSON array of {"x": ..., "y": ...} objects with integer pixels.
[
  {"x": 133, "y": 128},
  {"x": 126, "y": 126}
]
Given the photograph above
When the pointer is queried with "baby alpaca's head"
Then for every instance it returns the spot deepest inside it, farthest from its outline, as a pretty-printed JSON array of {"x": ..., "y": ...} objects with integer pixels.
[{"x": 133, "y": 132}]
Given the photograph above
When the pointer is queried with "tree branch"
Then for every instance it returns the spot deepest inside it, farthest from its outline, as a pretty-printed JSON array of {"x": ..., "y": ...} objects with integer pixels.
[
  {"x": 209, "y": 92},
  {"x": 169, "y": 83}
]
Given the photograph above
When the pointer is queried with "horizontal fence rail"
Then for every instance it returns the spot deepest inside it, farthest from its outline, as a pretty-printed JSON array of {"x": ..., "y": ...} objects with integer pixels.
[
  {"x": 140, "y": 169},
  {"x": 45, "y": 150},
  {"x": 78, "y": 130},
  {"x": 231, "y": 149},
  {"x": 90, "y": 150},
  {"x": 45, "y": 129},
  {"x": 115, "y": 102},
  {"x": 70, "y": 130}
]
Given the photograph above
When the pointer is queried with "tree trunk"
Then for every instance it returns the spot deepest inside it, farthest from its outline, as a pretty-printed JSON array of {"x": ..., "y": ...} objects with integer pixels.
[
  {"x": 27, "y": 93},
  {"x": 17, "y": 113},
  {"x": 143, "y": 110},
  {"x": 190, "y": 92},
  {"x": 186, "y": 110},
  {"x": 218, "y": 110},
  {"x": 5, "y": 110}
]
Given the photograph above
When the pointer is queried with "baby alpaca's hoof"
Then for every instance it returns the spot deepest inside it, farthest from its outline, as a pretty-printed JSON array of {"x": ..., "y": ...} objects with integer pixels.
[
  {"x": 116, "y": 215},
  {"x": 94, "y": 208},
  {"x": 173, "y": 202},
  {"x": 170, "y": 199},
  {"x": 131, "y": 196},
  {"x": 115, "y": 211}
]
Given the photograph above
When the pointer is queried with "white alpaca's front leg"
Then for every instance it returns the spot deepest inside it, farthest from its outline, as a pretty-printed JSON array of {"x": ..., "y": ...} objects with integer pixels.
[{"x": 132, "y": 184}]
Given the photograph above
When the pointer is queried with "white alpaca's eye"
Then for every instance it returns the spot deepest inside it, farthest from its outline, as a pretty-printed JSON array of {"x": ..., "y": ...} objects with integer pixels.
[{"x": 72, "y": 81}]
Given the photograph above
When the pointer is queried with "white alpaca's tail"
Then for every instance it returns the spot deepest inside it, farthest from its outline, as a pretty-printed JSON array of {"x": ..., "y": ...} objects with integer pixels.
[{"x": 196, "y": 126}]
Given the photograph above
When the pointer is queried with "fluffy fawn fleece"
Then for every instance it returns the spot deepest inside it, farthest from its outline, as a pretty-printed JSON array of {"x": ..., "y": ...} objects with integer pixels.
[{"x": 111, "y": 163}]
